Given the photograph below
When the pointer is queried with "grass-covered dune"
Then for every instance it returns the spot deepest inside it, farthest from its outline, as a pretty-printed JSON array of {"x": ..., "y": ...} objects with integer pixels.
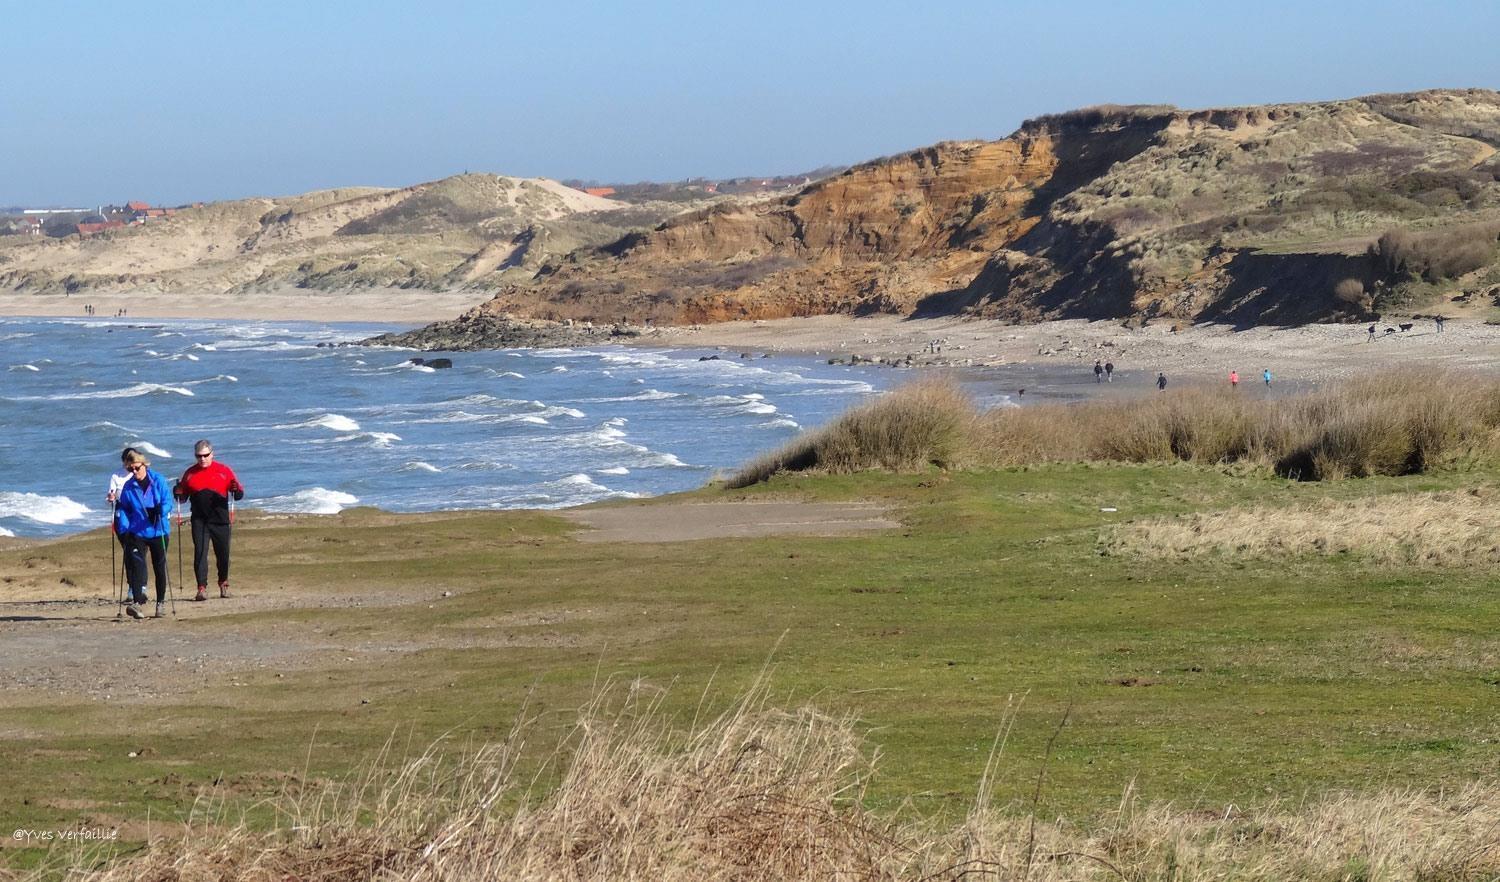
[{"x": 1168, "y": 701}]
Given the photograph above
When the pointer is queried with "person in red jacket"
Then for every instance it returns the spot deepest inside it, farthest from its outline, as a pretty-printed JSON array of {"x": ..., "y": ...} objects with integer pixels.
[{"x": 206, "y": 486}]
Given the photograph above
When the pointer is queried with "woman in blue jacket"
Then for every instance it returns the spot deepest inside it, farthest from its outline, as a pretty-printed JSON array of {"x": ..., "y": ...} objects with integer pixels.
[{"x": 143, "y": 520}]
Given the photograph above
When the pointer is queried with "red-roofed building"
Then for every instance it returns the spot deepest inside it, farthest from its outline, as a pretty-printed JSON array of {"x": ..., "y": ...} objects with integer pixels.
[{"x": 137, "y": 206}]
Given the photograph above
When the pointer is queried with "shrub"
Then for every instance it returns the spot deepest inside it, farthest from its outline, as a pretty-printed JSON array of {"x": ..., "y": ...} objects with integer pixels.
[
  {"x": 1437, "y": 255},
  {"x": 1351, "y": 291}
]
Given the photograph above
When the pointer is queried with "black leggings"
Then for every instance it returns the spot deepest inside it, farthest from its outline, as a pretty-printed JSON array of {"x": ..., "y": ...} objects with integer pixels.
[
  {"x": 136, "y": 549},
  {"x": 218, "y": 534}
]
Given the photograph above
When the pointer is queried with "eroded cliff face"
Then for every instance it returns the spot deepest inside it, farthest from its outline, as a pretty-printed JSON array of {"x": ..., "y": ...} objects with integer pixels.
[
  {"x": 1248, "y": 214},
  {"x": 882, "y": 236}
]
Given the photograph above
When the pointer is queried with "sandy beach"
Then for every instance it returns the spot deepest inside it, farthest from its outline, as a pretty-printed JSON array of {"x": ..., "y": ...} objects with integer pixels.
[
  {"x": 291, "y": 304},
  {"x": 1297, "y": 357},
  {"x": 1042, "y": 356}
]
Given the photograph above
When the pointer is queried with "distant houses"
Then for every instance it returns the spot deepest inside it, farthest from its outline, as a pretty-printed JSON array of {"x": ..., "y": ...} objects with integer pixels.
[{"x": 58, "y": 222}]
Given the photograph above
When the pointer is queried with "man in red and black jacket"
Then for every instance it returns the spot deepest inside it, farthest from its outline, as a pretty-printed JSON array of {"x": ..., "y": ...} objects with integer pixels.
[{"x": 207, "y": 486}]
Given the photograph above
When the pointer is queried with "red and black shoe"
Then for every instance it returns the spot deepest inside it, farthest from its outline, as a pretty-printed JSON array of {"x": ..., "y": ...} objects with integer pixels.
[
  {"x": 202, "y": 593},
  {"x": 223, "y": 589}
]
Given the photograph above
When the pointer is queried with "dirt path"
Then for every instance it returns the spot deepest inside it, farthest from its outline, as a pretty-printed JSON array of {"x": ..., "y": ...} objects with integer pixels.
[{"x": 60, "y": 639}]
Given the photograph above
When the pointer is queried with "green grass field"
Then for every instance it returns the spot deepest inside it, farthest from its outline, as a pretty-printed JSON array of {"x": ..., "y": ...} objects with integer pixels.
[{"x": 1200, "y": 682}]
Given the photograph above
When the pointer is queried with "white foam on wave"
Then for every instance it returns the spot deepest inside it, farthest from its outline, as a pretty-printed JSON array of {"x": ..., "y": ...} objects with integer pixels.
[
  {"x": 614, "y": 470},
  {"x": 149, "y": 449},
  {"x": 781, "y": 423},
  {"x": 560, "y": 369},
  {"x": 420, "y": 368},
  {"x": 639, "y": 360},
  {"x": 18, "y": 335},
  {"x": 109, "y": 428},
  {"x": 42, "y": 509},
  {"x": 24, "y": 367},
  {"x": 335, "y": 421},
  {"x": 569, "y": 491},
  {"x": 507, "y": 375},
  {"x": 204, "y": 347},
  {"x": 318, "y": 500},
  {"x": 643, "y": 395},
  {"x": 127, "y": 392},
  {"x": 752, "y": 403},
  {"x": 452, "y": 416},
  {"x": 583, "y": 481},
  {"x": 418, "y": 465},
  {"x": 484, "y": 465},
  {"x": 5, "y": 532},
  {"x": 380, "y": 440},
  {"x": 217, "y": 378}
]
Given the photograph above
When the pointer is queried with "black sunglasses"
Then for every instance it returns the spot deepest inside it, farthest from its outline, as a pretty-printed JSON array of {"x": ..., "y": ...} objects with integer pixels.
[{"x": 201, "y": 455}]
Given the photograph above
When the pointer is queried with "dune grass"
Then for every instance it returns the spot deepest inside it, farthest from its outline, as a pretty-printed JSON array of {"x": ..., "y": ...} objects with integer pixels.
[
  {"x": 925, "y": 423},
  {"x": 1452, "y": 530},
  {"x": 1397, "y": 424},
  {"x": 764, "y": 793}
]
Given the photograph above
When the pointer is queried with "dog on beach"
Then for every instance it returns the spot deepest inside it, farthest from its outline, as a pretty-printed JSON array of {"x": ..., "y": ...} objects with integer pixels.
[{"x": 1405, "y": 327}]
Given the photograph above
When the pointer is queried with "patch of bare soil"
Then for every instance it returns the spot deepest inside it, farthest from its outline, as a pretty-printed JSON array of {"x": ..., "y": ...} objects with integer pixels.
[{"x": 720, "y": 520}]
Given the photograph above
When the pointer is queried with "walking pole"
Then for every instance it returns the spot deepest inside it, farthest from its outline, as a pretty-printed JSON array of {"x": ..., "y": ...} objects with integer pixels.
[
  {"x": 115, "y": 575},
  {"x": 167, "y": 537},
  {"x": 179, "y": 557}
]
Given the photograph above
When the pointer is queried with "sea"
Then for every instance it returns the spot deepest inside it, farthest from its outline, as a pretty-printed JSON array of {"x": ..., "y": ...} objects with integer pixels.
[{"x": 311, "y": 425}]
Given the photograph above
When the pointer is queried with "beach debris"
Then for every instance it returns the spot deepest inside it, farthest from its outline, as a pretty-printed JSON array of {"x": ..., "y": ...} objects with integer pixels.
[{"x": 1109, "y": 508}]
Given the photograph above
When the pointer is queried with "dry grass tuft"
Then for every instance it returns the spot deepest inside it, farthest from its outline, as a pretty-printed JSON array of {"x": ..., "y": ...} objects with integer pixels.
[
  {"x": 925, "y": 423},
  {"x": 1419, "y": 529},
  {"x": 1396, "y": 424},
  {"x": 761, "y": 793}
]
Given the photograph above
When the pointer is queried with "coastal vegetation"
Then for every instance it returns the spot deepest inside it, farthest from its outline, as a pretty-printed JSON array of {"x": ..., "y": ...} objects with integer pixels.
[
  {"x": 764, "y": 793},
  {"x": 1388, "y": 424},
  {"x": 1152, "y": 653}
]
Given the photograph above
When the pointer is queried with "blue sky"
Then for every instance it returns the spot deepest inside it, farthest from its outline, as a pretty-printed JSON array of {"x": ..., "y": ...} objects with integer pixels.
[{"x": 177, "y": 101}]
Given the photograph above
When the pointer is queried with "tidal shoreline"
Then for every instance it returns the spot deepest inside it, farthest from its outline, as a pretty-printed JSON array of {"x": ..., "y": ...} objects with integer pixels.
[{"x": 1056, "y": 356}]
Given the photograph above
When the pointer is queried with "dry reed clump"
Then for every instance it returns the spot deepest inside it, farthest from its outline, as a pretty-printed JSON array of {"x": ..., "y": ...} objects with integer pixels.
[
  {"x": 1395, "y": 424},
  {"x": 1454, "y": 529},
  {"x": 920, "y": 424},
  {"x": 761, "y": 794}
]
